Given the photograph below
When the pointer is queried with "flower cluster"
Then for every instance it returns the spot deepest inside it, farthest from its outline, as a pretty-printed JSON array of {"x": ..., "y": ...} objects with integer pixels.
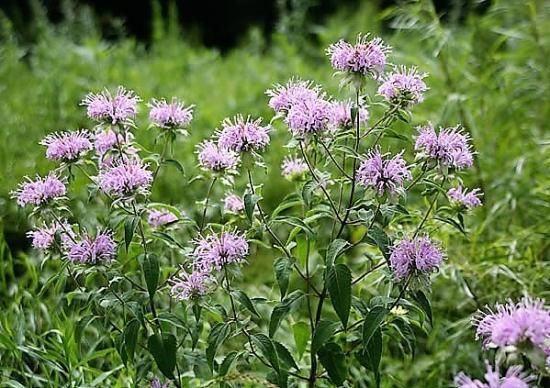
[
  {"x": 340, "y": 116},
  {"x": 366, "y": 57},
  {"x": 283, "y": 97},
  {"x": 384, "y": 174},
  {"x": 514, "y": 378},
  {"x": 242, "y": 135},
  {"x": 233, "y": 204},
  {"x": 465, "y": 198},
  {"x": 158, "y": 218},
  {"x": 215, "y": 158},
  {"x": 106, "y": 107},
  {"x": 403, "y": 85},
  {"x": 418, "y": 254},
  {"x": 172, "y": 114},
  {"x": 217, "y": 250},
  {"x": 43, "y": 238},
  {"x": 309, "y": 116},
  {"x": 87, "y": 250},
  {"x": 293, "y": 168},
  {"x": 39, "y": 191},
  {"x": 189, "y": 286},
  {"x": 67, "y": 146},
  {"x": 107, "y": 140},
  {"x": 125, "y": 178},
  {"x": 450, "y": 147}
]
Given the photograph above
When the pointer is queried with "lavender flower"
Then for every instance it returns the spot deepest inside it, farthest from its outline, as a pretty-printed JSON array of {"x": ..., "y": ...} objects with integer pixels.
[
  {"x": 233, "y": 204},
  {"x": 514, "y": 378},
  {"x": 241, "y": 135},
  {"x": 404, "y": 85},
  {"x": 418, "y": 254},
  {"x": 105, "y": 141},
  {"x": 527, "y": 321},
  {"x": 125, "y": 178},
  {"x": 170, "y": 115},
  {"x": 450, "y": 147},
  {"x": 340, "y": 117},
  {"x": 283, "y": 97},
  {"x": 40, "y": 191},
  {"x": 43, "y": 237},
  {"x": 189, "y": 286},
  {"x": 309, "y": 116},
  {"x": 67, "y": 146},
  {"x": 293, "y": 168},
  {"x": 87, "y": 250},
  {"x": 465, "y": 198},
  {"x": 217, "y": 250},
  {"x": 215, "y": 158},
  {"x": 385, "y": 175},
  {"x": 366, "y": 57},
  {"x": 105, "y": 107},
  {"x": 158, "y": 218}
]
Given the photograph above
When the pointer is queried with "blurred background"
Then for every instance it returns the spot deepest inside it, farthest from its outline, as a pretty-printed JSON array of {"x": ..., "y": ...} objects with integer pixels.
[{"x": 488, "y": 65}]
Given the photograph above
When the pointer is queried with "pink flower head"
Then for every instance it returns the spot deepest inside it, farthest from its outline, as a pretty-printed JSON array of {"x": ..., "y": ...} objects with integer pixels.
[
  {"x": 170, "y": 115},
  {"x": 340, "y": 117},
  {"x": 215, "y": 158},
  {"x": 125, "y": 178},
  {"x": 233, "y": 204},
  {"x": 283, "y": 97},
  {"x": 240, "y": 135},
  {"x": 190, "y": 286},
  {"x": 43, "y": 237},
  {"x": 450, "y": 147},
  {"x": 217, "y": 250},
  {"x": 293, "y": 168},
  {"x": 158, "y": 218},
  {"x": 404, "y": 85},
  {"x": 366, "y": 57},
  {"x": 514, "y": 378},
  {"x": 463, "y": 197},
  {"x": 118, "y": 108},
  {"x": 108, "y": 140},
  {"x": 418, "y": 254},
  {"x": 87, "y": 250},
  {"x": 309, "y": 116},
  {"x": 384, "y": 174},
  {"x": 67, "y": 146},
  {"x": 513, "y": 323},
  {"x": 40, "y": 191}
]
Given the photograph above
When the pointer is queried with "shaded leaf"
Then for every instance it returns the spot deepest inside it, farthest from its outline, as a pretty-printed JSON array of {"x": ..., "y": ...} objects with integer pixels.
[
  {"x": 339, "y": 286},
  {"x": 373, "y": 319},
  {"x": 333, "y": 359},
  {"x": 163, "y": 349},
  {"x": 323, "y": 332}
]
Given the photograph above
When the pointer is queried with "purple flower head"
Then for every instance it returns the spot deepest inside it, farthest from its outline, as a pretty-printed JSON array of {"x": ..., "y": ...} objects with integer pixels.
[
  {"x": 241, "y": 135},
  {"x": 125, "y": 178},
  {"x": 418, "y": 254},
  {"x": 217, "y": 250},
  {"x": 233, "y": 204},
  {"x": 366, "y": 57},
  {"x": 340, "y": 117},
  {"x": 283, "y": 97},
  {"x": 309, "y": 116},
  {"x": 514, "y": 378},
  {"x": 293, "y": 168},
  {"x": 43, "y": 237},
  {"x": 67, "y": 146},
  {"x": 108, "y": 140},
  {"x": 384, "y": 174},
  {"x": 189, "y": 286},
  {"x": 87, "y": 250},
  {"x": 215, "y": 158},
  {"x": 40, "y": 191},
  {"x": 158, "y": 218},
  {"x": 450, "y": 147},
  {"x": 527, "y": 321},
  {"x": 404, "y": 85},
  {"x": 463, "y": 197},
  {"x": 118, "y": 108},
  {"x": 170, "y": 115}
]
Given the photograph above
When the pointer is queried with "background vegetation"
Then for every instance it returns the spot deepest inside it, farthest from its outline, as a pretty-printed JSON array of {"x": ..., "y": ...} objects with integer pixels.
[{"x": 488, "y": 71}]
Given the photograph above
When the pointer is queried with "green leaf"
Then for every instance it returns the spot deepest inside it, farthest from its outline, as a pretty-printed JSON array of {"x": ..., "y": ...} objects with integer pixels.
[
  {"x": 284, "y": 355},
  {"x": 163, "y": 349},
  {"x": 246, "y": 302},
  {"x": 281, "y": 311},
  {"x": 333, "y": 359},
  {"x": 373, "y": 319},
  {"x": 424, "y": 303},
  {"x": 323, "y": 332},
  {"x": 335, "y": 248},
  {"x": 218, "y": 334},
  {"x": 130, "y": 225},
  {"x": 130, "y": 337},
  {"x": 295, "y": 221},
  {"x": 227, "y": 362},
  {"x": 371, "y": 355},
  {"x": 376, "y": 236},
  {"x": 300, "y": 330},
  {"x": 176, "y": 164},
  {"x": 339, "y": 287},
  {"x": 267, "y": 348},
  {"x": 151, "y": 272},
  {"x": 282, "y": 267},
  {"x": 453, "y": 223},
  {"x": 250, "y": 201}
]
